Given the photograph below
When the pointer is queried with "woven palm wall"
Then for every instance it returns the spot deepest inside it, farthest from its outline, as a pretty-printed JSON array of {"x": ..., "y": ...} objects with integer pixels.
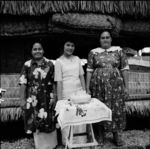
[{"x": 10, "y": 107}]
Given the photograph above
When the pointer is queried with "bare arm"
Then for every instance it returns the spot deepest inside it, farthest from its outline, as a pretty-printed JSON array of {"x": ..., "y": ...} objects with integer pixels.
[
  {"x": 124, "y": 68},
  {"x": 54, "y": 90},
  {"x": 125, "y": 76},
  {"x": 88, "y": 78},
  {"x": 53, "y": 97},
  {"x": 59, "y": 90},
  {"x": 82, "y": 81},
  {"x": 23, "y": 95}
]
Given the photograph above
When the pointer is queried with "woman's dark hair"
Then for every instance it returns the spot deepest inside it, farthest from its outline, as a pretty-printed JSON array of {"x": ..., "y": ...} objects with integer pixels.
[
  {"x": 37, "y": 43},
  {"x": 66, "y": 39},
  {"x": 40, "y": 41},
  {"x": 105, "y": 30},
  {"x": 30, "y": 46}
]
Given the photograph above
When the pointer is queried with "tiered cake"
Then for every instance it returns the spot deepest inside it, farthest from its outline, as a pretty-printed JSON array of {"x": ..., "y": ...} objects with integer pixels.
[{"x": 80, "y": 97}]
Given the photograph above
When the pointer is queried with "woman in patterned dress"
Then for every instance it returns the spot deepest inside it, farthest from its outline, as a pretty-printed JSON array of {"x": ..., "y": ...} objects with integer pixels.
[
  {"x": 107, "y": 80},
  {"x": 37, "y": 92},
  {"x": 69, "y": 76}
]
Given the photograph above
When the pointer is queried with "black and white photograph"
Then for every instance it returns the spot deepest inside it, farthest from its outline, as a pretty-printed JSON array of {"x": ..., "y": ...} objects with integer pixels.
[{"x": 75, "y": 74}]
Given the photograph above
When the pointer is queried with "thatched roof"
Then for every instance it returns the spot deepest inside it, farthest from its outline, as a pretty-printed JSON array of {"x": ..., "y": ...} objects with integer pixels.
[
  {"x": 75, "y": 17},
  {"x": 132, "y": 8},
  {"x": 76, "y": 23}
]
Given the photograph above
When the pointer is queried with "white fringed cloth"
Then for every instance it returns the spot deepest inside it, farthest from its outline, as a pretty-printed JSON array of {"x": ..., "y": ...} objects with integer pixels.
[{"x": 78, "y": 114}]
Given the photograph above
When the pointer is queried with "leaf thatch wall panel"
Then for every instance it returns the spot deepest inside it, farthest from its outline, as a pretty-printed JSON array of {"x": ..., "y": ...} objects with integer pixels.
[
  {"x": 140, "y": 107},
  {"x": 88, "y": 21},
  {"x": 74, "y": 31},
  {"x": 10, "y": 83},
  {"x": 10, "y": 107},
  {"x": 8, "y": 114},
  {"x": 136, "y": 26},
  {"x": 132, "y": 8},
  {"x": 22, "y": 26},
  {"x": 11, "y": 103}
]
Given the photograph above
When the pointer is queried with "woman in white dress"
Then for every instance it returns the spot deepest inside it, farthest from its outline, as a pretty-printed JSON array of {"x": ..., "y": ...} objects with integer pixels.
[{"x": 69, "y": 75}]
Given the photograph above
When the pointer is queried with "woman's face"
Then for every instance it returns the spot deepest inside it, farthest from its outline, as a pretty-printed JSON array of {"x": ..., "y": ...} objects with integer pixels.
[
  {"x": 69, "y": 48},
  {"x": 105, "y": 40},
  {"x": 37, "y": 51}
]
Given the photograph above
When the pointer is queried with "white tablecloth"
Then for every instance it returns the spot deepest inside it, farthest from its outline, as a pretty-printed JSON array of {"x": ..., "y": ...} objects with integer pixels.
[{"x": 77, "y": 114}]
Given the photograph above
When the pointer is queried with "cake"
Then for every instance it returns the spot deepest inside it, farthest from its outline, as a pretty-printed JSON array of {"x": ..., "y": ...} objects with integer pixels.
[{"x": 80, "y": 97}]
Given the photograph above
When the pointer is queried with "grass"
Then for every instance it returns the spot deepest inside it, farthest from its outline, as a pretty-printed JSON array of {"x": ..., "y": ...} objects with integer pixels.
[
  {"x": 137, "y": 133},
  {"x": 131, "y": 138}
]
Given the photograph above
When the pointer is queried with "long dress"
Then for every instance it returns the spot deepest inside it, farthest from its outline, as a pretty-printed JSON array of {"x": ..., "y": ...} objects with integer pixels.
[
  {"x": 68, "y": 71},
  {"x": 39, "y": 91},
  {"x": 107, "y": 83}
]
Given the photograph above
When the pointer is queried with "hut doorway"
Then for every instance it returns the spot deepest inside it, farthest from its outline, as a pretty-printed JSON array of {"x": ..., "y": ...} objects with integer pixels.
[{"x": 16, "y": 50}]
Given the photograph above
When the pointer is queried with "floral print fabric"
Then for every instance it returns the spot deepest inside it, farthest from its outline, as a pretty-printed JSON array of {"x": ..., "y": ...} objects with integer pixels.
[
  {"x": 107, "y": 83},
  {"x": 39, "y": 81}
]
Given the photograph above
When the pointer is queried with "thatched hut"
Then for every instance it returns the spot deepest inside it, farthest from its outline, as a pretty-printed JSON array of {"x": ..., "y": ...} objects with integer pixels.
[{"x": 23, "y": 22}]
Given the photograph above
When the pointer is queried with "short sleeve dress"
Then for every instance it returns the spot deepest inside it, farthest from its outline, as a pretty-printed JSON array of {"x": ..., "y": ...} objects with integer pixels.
[
  {"x": 68, "y": 71},
  {"x": 39, "y": 80},
  {"x": 107, "y": 83}
]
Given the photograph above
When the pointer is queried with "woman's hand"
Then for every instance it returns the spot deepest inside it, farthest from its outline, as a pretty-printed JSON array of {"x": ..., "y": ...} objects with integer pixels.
[
  {"x": 88, "y": 78},
  {"x": 126, "y": 90},
  {"x": 23, "y": 96},
  {"x": 52, "y": 102},
  {"x": 88, "y": 91}
]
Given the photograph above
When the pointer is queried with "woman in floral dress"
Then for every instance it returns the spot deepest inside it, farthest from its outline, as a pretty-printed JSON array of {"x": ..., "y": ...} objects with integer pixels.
[
  {"x": 107, "y": 80},
  {"x": 37, "y": 92}
]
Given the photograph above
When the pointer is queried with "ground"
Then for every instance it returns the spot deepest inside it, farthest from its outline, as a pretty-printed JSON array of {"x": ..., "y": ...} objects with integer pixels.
[{"x": 134, "y": 139}]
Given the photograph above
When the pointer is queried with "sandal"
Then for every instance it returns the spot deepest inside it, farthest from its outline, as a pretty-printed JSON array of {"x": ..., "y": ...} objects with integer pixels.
[
  {"x": 117, "y": 139},
  {"x": 119, "y": 142},
  {"x": 59, "y": 147},
  {"x": 100, "y": 140}
]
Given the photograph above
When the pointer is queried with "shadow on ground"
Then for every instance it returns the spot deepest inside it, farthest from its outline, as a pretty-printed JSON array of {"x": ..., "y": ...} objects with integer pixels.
[{"x": 136, "y": 135}]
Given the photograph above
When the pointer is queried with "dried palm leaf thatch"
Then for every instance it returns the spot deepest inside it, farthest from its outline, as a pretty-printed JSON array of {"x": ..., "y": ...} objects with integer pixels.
[
  {"x": 12, "y": 113},
  {"x": 88, "y": 21},
  {"x": 43, "y": 7},
  {"x": 10, "y": 102},
  {"x": 22, "y": 25},
  {"x": 133, "y": 8},
  {"x": 141, "y": 107}
]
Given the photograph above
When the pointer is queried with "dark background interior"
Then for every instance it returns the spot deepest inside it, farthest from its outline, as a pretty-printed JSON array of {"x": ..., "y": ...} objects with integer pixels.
[
  {"x": 15, "y": 129},
  {"x": 17, "y": 49}
]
